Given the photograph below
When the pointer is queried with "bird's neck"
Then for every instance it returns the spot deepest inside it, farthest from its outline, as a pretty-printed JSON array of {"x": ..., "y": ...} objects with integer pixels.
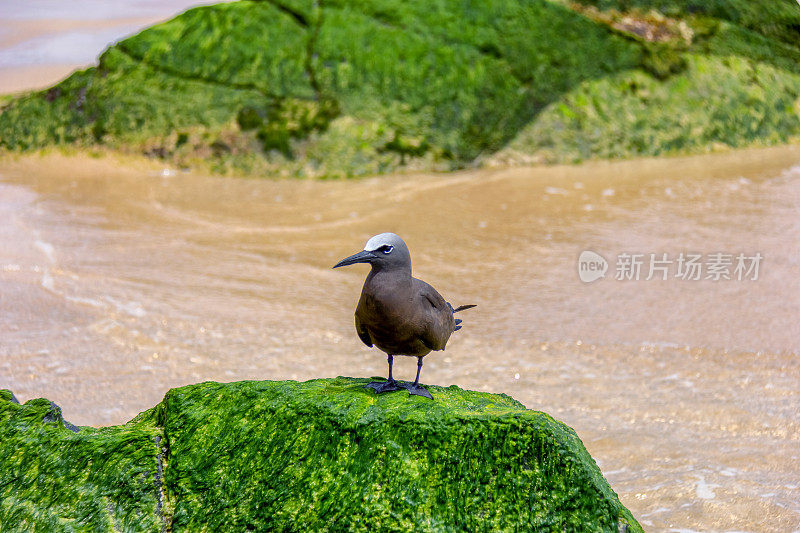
[
  {"x": 399, "y": 271},
  {"x": 396, "y": 276}
]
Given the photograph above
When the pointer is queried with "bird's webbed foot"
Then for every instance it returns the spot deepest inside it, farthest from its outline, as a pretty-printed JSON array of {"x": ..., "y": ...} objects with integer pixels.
[
  {"x": 384, "y": 386},
  {"x": 419, "y": 390}
]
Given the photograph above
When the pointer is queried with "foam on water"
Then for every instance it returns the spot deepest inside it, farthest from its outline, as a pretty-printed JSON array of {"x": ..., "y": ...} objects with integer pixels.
[
  {"x": 705, "y": 491},
  {"x": 47, "y": 249}
]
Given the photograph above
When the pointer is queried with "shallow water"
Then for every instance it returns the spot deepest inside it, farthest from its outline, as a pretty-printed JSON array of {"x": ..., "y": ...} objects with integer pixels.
[
  {"x": 42, "y": 41},
  {"x": 119, "y": 281}
]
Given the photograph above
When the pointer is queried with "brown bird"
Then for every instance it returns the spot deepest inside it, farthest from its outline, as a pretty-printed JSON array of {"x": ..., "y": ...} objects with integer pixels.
[{"x": 398, "y": 313}]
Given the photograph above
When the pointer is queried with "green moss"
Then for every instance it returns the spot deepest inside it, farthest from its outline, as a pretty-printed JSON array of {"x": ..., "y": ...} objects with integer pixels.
[
  {"x": 246, "y": 45},
  {"x": 475, "y": 73},
  {"x": 662, "y": 61},
  {"x": 53, "y": 479},
  {"x": 288, "y": 118},
  {"x": 350, "y": 147},
  {"x": 326, "y": 454},
  {"x": 385, "y": 62},
  {"x": 250, "y": 118},
  {"x": 731, "y": 40},
  {"x": 271, "y": 87},
  {"x": 775, "y": 19},
  {"x": 717, "y": 102}
]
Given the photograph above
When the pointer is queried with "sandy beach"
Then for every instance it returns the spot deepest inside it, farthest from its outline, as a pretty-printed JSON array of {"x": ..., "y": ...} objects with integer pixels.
[{"x": 42, "y": 41}]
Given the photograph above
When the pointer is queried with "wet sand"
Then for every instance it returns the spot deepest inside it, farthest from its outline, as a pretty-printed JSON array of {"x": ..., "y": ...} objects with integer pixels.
[
  {"x": 19, "y": 79},
  {"x": 43, "y": 41},
  {"x": 119, "y": 281}
]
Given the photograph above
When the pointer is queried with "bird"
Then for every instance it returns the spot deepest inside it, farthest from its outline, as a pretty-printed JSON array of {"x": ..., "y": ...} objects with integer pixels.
[{"x": 398, "y": 313}]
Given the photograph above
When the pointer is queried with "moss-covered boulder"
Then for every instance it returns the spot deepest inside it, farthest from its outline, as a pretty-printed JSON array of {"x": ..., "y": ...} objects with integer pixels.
[
  {"x": 326, "y": 454},
  {"x": 56, "y": 477},
  {"x": 354, "y": 87}
]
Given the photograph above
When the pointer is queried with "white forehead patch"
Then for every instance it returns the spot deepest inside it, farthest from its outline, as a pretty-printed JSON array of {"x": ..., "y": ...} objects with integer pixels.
[{"x": 381, "y": 240}]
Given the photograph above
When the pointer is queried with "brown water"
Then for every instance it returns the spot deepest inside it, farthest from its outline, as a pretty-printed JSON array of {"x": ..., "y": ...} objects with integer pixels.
[{"x": 118, "y": 281}]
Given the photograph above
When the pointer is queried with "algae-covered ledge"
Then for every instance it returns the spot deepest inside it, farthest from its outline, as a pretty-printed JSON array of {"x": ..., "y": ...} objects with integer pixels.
[
  {"x": 325, "y": 454},
  {"x": 340, "y": 88}
]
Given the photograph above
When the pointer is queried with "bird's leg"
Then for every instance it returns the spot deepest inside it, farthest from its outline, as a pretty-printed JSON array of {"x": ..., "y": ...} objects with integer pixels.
[
  {"x": 416, "y": 388},
  {"x": 388, "y": 385}
]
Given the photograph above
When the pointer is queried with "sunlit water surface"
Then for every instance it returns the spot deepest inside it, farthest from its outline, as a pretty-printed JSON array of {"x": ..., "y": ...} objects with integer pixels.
[{"x": 118, "y": 282}]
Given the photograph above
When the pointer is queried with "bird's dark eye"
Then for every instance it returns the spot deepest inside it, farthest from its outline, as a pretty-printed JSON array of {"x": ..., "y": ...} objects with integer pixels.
[{"x": 386, "y": 249}]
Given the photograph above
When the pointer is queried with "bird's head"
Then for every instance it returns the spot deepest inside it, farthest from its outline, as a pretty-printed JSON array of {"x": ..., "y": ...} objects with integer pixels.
[{"x": 384, "y": 252}]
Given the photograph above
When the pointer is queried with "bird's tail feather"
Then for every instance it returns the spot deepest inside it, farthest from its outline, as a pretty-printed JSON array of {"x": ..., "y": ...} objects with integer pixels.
[{"x": 456, "y": 310}]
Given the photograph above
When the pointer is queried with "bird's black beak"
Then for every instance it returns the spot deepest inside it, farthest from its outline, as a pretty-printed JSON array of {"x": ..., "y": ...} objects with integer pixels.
[{"x": 361, "y": 257}]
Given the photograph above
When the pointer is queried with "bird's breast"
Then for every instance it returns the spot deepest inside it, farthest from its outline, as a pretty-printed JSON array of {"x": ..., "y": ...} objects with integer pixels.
[
  {"x": 392, "y": 323},
  {"x": 389, "y": 313}
]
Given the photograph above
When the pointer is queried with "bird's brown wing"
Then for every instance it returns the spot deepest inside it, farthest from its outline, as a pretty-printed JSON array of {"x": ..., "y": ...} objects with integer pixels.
[
  {"x": 362, "y": 332},
  {"x": 438, "y": 320}
]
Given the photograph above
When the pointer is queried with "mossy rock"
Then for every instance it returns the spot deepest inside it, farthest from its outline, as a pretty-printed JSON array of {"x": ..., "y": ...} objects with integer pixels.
[
  {"x": 357, "y": 87},
  {"x": 777, "y": 19},
  {"x": 326, "y": 454},
  {"x": 662, "y": 61},
  {"x": 56, "y": 477},
  {"x": 716, "y": 102}
]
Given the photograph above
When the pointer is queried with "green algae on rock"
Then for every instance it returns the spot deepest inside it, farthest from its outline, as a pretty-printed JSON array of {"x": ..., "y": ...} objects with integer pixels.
[
  {"x": 325, "y": 454},
  {"x": 716, "y": 108},
  {"x": 355, "y": 87},
  {"x": 53, "y": 478}
]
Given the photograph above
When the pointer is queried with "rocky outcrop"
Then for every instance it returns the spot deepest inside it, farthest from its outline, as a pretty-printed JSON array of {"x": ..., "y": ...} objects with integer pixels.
[
  {"x": 342, "y": 88},
  {"x": 326, "y": 454}
]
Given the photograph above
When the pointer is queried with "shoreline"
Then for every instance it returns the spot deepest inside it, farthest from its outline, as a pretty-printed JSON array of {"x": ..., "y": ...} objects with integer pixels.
[
  {"x": 16, "y": 81},
  {"x": 782, "y": 153},
  {"x": 24, "y": 30}
]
